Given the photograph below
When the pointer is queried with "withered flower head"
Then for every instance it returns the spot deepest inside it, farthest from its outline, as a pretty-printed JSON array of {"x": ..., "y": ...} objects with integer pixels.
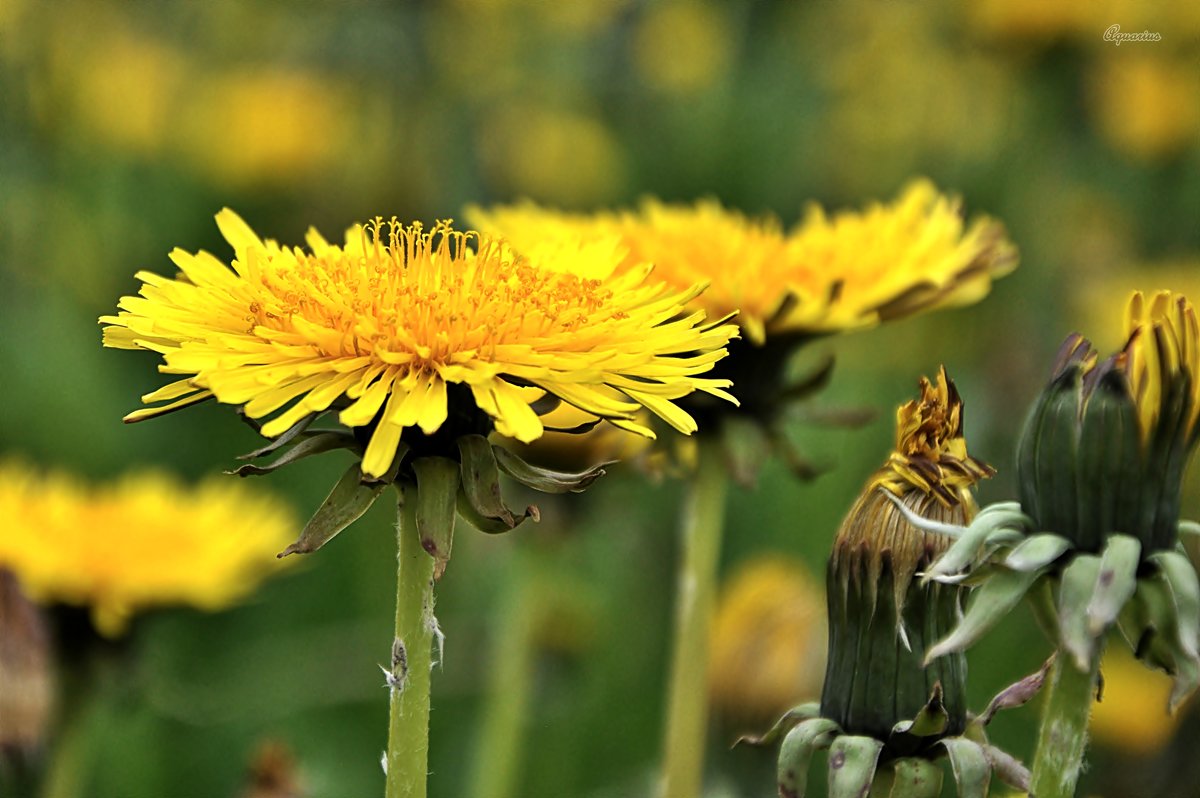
[
  {"x": 930, "y": 472},
  {"x": 881, "y": 621}
]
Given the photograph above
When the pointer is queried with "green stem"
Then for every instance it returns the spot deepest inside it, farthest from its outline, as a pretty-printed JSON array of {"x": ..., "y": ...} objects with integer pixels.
[
  {"x": 687, "y": 710},
  {"x": 1062, "y": 739},
  {"x": 66, "y": 773},
  {"x": 412, "y": 651},
  {"x": 510, "y": 685}
]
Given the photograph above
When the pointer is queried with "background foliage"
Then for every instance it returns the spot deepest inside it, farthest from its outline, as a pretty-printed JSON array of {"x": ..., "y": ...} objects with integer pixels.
[{"x": 127, "y": 125}]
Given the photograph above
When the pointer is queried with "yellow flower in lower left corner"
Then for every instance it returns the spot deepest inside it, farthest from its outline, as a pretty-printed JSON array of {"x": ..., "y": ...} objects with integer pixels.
[{"x": 145, "y": 541}]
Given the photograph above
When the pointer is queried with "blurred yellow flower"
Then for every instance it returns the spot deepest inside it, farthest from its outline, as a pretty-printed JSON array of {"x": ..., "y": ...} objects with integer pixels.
[
  {"x": 552, "y": 153},
  {"x": 144, "y": 541},
  {"x": 124, "y": 88},
  {"x": 1132, "y": 714},
  {"x": 404, "y": 327},
  {"x": 848, "y": 271},
  {"x": 767, "y": 640},
  {"x": 1147, "y": 105},
  {"x": 683, "y": 47},
  {"x": 258, "y": 126}
]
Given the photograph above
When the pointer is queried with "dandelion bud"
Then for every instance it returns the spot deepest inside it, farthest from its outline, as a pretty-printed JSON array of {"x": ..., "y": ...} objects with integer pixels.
[
  {"x": 881, "y": 618},
  {"x": 1105, "y": 447}
]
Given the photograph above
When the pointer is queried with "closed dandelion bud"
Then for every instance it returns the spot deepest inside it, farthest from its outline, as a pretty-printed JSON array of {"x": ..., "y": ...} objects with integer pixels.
[
  {"x": 882, "y": 619},
  {"x": 1105, "y": 446}
]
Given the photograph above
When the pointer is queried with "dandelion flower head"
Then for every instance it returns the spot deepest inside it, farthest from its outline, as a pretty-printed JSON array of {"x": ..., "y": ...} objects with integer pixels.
[
  {"x": 830, "y": 273},
  {"x": 144, "y": 541},
  {"x": 401, "y": 328}
]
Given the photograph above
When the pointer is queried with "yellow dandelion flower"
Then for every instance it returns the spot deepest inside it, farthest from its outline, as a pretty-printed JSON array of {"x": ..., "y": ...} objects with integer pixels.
[
  {"x": 1162, "y": 358},
  {"x": 145, "y": 541},
  {"x": 403, "y": 328},
  {"x": 848, "y": 271}
]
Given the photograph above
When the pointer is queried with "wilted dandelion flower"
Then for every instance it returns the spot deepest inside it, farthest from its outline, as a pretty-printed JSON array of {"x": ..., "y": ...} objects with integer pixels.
[
  {"x": 402, "y": 328},
  {"x": 884, "y": 714},
  {"x": 145, "y": 541}
]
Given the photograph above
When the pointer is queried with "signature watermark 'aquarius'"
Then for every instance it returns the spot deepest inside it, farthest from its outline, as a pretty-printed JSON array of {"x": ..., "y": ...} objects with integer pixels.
[{"x": 1114, "y": 35}]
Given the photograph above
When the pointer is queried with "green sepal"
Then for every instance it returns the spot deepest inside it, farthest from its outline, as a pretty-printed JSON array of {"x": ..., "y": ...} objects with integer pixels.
[
  {"x": 852, "y": 762},
  {"x": 1045, "y": 611},
  {"x": 1037, "y": 552},
  {"x": 279, "y": 441},
  {"x": 990, "y": 603},
  {"x": 490, "y": 526},
  {"x": 1016, "y": 694},
  {"x": 1181, "y": 578},
  {"x": 908, "y": 777},
  {"x": 1115, "y": 583},
  {"x": 930, "y": 721},
  {"x": 972, "y": 770},
  {"x": 1151, "y": 624},
  {"x": 746, "y": 447},
  {"x": 481, "y": 487},
  {"x": 1047, "y": 447},
  {"x": 315, "y": 444},
  {"x": 1166, "y": 458},
  {"x": 436, "y": 500},
  {"x": 543, "y": 479},
  {"x": 344, "y": 505},
  {"x": 1077, "y": 584},
  {"x": 810, "y": 383},
  {"x": 1109, "y": 459},
  {"x": 977, "y": 542},
  {"x": 782, "y": 726},
  {"x": 796, "y": 752},
  {"x": 1007, "y": 767}
]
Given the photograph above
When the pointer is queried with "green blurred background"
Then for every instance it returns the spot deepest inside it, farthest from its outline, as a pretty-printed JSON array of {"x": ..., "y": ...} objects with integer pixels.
[{"x": 127, "y": 125}]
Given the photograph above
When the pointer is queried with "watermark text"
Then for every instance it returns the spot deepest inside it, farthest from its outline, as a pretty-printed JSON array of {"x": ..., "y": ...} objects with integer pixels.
[{"x": 1115, "y": 35}]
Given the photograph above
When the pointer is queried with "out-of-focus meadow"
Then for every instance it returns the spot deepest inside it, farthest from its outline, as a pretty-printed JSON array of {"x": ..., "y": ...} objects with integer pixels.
[{"x": 127, "y": 125}]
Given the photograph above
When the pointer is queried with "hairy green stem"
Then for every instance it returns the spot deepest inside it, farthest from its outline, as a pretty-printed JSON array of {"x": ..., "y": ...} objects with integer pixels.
[
  {"x": 510, "y": 685},
  {"x": 412, "y": 651},
  {"x": 687, "y": 709},
  {"x": 1062, "y": 739}
]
